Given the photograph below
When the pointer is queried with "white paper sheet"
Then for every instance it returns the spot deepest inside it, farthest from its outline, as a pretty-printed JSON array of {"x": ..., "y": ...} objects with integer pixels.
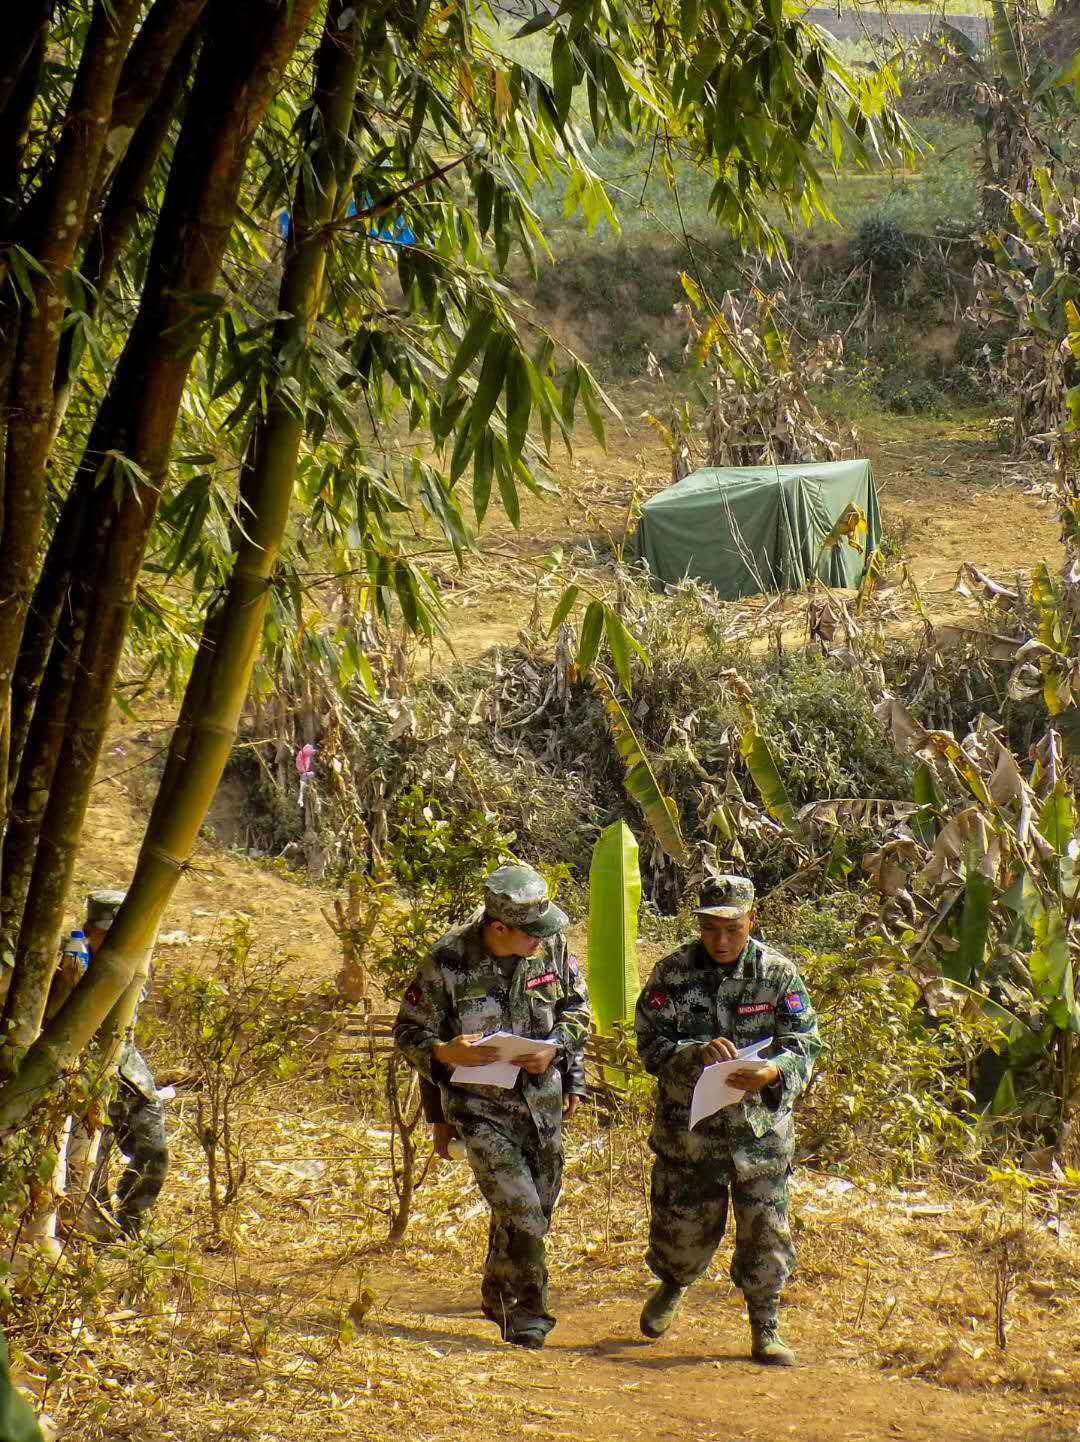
[
  {"x": 504, "y": 1072},
  {"x": 713, "y": 1090}
]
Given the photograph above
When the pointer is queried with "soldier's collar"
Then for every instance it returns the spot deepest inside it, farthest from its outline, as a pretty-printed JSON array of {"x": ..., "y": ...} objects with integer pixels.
[{"x": 475, "y": 950}]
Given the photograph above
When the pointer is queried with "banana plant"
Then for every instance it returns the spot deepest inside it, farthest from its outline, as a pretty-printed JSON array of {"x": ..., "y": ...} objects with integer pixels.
[
  {"x": 983, "y": 882},
  {"x": 614, "y": 899}
]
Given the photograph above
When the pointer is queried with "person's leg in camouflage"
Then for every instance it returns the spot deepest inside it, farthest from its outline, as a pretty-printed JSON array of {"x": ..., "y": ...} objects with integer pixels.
[
  {"x": 687, "y": 1217},
  {"x": 496, "y": 1290},
  {"x": 139, "y": 1126},
  {"x": 545, "y": 1164},
  {"x": 763, "y": 1260},
  {"x": 520, "y": 1190}
]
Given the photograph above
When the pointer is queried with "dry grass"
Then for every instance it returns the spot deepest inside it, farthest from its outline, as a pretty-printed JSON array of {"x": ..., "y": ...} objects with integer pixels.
[{"x": 308, "y": 1322}]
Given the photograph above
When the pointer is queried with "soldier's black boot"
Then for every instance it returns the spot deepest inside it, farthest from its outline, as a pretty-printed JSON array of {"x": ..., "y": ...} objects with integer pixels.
[
  {"x": 659, "y": 1311},
  {"x": 766, "y": 1344}
]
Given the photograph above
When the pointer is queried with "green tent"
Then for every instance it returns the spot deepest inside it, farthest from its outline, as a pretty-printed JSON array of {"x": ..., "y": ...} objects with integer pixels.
[{"x": 748, "y": 529}]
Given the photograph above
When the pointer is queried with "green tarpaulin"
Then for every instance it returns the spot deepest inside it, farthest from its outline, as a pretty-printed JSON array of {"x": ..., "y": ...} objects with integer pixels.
[{"x": 748, "y": 529}]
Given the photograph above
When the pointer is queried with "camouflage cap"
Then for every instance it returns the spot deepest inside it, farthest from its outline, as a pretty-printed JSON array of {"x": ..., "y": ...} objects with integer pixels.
[
  {"x": 725, "y": 896},
  {"x": 518, "y": 897},
  {"x": 102, "y": 906}
]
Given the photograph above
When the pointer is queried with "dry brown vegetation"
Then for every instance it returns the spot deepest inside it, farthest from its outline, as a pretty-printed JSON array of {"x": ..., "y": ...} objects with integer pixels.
[{"x": 306, "y": 1319}]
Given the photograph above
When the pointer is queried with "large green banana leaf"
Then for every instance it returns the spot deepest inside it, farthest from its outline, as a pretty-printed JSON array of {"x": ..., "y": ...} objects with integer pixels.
[{"x": 614, "y": 898}]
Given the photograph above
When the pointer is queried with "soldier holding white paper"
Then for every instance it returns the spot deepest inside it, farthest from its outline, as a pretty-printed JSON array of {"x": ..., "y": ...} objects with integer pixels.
[
  {"x": 705, "y": 1003},
  {"x": 506, "y": 970}
]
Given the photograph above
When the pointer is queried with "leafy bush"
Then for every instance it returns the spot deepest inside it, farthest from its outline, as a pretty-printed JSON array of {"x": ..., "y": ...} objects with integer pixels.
[
  {"x": 242, "y": 1027},
  {"x": 882, "y": 244},
  {"x": 892, "y": 1094},
  {"x": 440, "y": 858},
  {"x": 915, "y": 397}
]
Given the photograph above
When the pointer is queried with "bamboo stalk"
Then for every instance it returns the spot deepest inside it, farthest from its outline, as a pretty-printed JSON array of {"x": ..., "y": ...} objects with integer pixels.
[
  {"x": 178, "y": 813},
  {"x": 62, "y": 210},
  {"x": 122, "y": 204},
  {"x": 166, "y": 32},
  {"x": 15, "y": 126},
  {"x": 25, "y": 29},
  {"x": 239, "y": 72}
]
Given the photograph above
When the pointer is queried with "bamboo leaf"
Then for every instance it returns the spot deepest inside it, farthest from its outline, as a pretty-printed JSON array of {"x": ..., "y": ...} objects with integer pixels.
[
  {"x": 567, "y": 602},
  {"x": 518, "y": 403},
  {"x": 592, "y": 628},
  {"x": 614, "y": 899},
  {"x": 492, "y": 374},
  {"x": 659, "y": 809},
  {"x": 483, "y": 465}
]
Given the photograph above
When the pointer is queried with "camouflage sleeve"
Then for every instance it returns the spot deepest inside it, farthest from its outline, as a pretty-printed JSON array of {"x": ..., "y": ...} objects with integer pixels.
[
  {"x": 797, "y": 1039},
  {"x": 422, "y": 1019},
  {"x": 573, "y": 1018},
  {"x": 573, "y": 1070},
  {"x": 659, "y": 1044},
  {"x": 431, "y": 1101}
]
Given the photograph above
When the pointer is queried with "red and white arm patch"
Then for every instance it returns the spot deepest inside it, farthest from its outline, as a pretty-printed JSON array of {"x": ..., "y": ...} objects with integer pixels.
[
  {"x": 657, "y": 999},
  {"x": 544, "y": 980}
]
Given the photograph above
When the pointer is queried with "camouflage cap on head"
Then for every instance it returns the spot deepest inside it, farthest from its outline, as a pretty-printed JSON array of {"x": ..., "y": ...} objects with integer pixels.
[
  {"x": 725, "y": 896},
  {"x": 518, "y": 897},
  {"x": 102, "y": 906}
]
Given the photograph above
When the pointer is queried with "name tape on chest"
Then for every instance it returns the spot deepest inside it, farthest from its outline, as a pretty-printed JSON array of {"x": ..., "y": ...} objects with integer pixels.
[
  {"x": 536, "y": 981},
  {"x": 755, "y": 1008}
]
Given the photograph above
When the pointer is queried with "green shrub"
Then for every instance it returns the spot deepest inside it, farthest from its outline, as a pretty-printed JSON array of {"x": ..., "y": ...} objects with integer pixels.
[
  {"x": 892, "y": 1091},
  {"x": 242, "y": 1027},
  {"x": 882, "y": 244}
]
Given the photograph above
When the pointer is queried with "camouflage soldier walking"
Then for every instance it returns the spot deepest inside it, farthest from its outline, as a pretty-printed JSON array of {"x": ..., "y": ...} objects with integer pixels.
[
  {"x": 136, "y": 1113},
  {"x": 702, "y": 1004},
  {"x": 506, "y": 969}
]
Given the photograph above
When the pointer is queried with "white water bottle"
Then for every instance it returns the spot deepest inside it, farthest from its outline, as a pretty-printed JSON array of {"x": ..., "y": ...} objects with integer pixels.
[{"x": 78, "y": 947}]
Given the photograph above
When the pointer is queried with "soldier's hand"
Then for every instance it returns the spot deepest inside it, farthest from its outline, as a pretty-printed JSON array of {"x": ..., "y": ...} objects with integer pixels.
[
  {"x": 465, "y": 1050},
  {"x": 719, "y": 1049},
  {"x": 570, "y": 1105},
  {"x": 442, "y": 1134},
  {"x": 536, "y": 1063},
  {"x": 754, "y": 1076}
]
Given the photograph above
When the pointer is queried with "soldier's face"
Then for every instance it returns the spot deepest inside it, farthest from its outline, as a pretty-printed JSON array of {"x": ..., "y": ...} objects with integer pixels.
[
  {"x": 503, "y": 940},
  {"x": 725, "y": 938}
]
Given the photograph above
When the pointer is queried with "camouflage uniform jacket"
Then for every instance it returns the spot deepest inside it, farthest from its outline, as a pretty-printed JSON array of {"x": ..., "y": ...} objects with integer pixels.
[
  {"x": 688, "y": 1000},
  {"x": 460, "y": 989}
]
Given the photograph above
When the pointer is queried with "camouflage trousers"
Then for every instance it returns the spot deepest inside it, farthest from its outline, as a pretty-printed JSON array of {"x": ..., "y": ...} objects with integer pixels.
[
  {"x": 519, "y": 1177},
  {"x": 689, "y": 1211},
  {"x": 138, "y": 1129}
]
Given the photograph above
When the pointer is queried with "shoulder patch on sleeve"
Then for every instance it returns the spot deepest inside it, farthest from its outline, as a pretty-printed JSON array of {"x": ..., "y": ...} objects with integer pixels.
[
  {"x": 657, "y": 999},
  {"x": 793, "y": 1003},
  {"x": 415, "y": 994}
]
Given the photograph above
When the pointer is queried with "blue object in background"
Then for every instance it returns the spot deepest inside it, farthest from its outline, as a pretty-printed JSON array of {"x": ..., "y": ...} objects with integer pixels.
[{"x": 397, "y": 232}]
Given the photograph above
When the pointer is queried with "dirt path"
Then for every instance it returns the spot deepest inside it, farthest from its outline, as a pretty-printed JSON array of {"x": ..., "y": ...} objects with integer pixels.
[{"x": 599, "y": 1380}]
